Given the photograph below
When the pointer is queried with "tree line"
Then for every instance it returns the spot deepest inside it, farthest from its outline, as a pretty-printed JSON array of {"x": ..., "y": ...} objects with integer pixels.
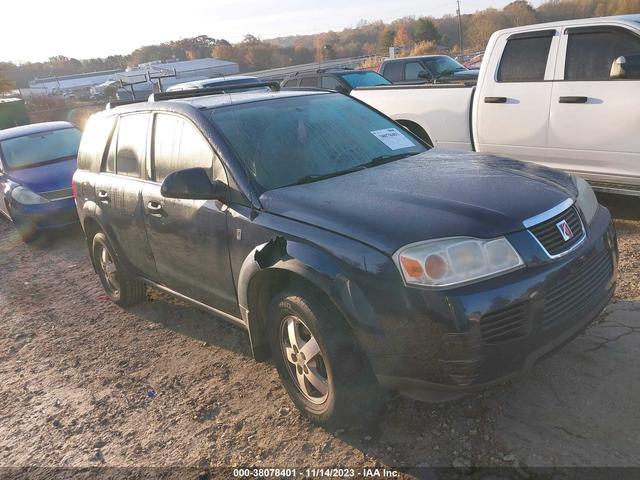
[{"x": 413, "y": 35}]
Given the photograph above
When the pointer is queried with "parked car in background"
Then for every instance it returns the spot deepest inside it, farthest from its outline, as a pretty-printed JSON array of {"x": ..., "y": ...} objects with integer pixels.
[
  {"x": 36, "y": 166},
  {"x": 426, "y": 69},
  {"x": 13, "y": 113},
  {"x": 218, "y": 82},
  {"x": 356, "y": 257},
  {"x": 561, "y": 94},
  {"x": 340, "y": 80}
]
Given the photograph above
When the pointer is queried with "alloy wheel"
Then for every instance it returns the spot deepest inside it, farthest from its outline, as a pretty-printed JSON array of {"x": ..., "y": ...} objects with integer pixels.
[
  {"x": 108, "y": 268},
  {"x": 305, "y": 361}
]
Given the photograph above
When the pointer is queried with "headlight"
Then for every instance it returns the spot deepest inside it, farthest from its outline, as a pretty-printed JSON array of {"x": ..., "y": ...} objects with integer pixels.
[
  {"x": 454, "y": 261},
  {"x": 587, "y": 201},
  {"x": 26, "y": 197}
]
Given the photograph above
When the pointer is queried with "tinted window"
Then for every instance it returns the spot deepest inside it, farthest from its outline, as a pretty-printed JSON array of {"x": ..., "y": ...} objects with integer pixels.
[
  {"x": 94, "y": 141},
  {"x": 290, "y": 140},
  {"x": 524, "y": 60},
  {"x": 40, "y": 148},
  {"x": 309, "y": 82},
  {"x": 442, "y": 65},
  {"x": 411, "y": 70},
  {"x": 132, "y": 141},
  {"x": 590, "y": 55},
  {"x": 364, "y": 79},
  {"x": 177, "y": 145},
  {"x": 329, "y": 82},
  {"x": 393, "y": 71}
]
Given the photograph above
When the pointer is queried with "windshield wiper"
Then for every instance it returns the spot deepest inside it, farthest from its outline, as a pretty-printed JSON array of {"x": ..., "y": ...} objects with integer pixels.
[{"x": 314, "y": 177}]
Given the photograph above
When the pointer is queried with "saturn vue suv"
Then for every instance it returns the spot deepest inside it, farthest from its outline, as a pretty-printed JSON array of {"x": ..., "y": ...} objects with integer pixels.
[{"x": 357, "y": 258}]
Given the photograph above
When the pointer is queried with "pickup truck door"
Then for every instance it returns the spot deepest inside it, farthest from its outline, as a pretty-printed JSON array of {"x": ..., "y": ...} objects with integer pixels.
[
  {"x": 594, "y": 120},
  {"x": 188, "y": 238},
  {"x": 512, "y": 98}
]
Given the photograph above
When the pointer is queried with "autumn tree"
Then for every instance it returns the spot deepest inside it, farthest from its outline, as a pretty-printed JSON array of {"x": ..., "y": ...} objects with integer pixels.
[
  {"x": 403, "y": 37},
  {"x": 5, "y": 84},
  {"x": 425, "y": 30}
]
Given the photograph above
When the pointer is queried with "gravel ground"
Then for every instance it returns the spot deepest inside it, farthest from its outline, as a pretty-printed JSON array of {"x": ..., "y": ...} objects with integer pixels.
[{"x": 85, "y": 383}]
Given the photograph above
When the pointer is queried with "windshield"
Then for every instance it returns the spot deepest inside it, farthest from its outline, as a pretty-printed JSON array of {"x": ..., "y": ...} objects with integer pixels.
[
  {"x": 40, "y": 148},
  {"x": 365, "y": 79},
  {"x": 293, "y": 140},
  {"x": 443, "y": 65}
]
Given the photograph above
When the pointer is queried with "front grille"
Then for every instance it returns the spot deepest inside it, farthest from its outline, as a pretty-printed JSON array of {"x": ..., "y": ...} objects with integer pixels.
[
  {"x": 57, "y": 194},
  {"x": 549, "y": 236},
  {"x": 504, "y": 324},
  {"x": 573, "y": 295}
]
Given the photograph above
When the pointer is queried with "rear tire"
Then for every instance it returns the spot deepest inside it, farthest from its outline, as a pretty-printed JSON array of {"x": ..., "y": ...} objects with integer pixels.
[
  {"x": 119, "y": 284},
  {"x": 323, "y": 369}
]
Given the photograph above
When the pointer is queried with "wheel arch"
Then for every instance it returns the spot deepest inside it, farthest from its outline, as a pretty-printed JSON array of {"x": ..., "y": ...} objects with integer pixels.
[
  {"x": 275, "y": 265},
  {"x": 417, "y": 130}
]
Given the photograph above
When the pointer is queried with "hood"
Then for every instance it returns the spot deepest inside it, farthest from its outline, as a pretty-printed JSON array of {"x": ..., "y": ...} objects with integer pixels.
[
  {"x": 435, "y": 194},
  {"x": 466, "y": 74},
  {"x": 52, "y": 176}
]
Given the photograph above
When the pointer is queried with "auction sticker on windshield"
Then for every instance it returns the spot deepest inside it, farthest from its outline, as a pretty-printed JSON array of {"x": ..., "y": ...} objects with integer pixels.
[{"x": 393, "y": 138}]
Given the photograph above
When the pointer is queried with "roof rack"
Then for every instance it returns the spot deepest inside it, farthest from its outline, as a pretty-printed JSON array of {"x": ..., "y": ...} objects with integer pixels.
[
  {"x": 119, "y": 103},
  {"x": 203, "y": 92}
]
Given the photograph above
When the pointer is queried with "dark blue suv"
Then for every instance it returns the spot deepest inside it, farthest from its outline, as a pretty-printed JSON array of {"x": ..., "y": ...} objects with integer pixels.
[{"x": 358, "y": 259}]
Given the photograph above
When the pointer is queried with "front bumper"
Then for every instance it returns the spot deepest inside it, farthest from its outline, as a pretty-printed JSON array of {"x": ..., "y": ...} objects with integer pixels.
[
  {"x": 54, "y": 214},
  {"x": 469, "y": 338}
]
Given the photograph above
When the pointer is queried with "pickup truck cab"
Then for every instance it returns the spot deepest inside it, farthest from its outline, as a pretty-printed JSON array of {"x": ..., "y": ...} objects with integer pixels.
[{"x": 561, "y": 94}]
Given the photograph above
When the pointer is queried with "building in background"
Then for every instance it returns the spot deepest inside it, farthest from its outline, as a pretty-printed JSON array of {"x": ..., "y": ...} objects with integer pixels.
[{"x": 78, "y": 84}]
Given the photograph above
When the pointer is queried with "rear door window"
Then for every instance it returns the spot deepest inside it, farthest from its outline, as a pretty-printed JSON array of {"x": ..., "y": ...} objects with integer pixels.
[
  {"x": 590, "y": 54},
  {"x": 132, "y": 142},
  {"x": 525, "y": 59},
  {"x": 393, "y": 71}
]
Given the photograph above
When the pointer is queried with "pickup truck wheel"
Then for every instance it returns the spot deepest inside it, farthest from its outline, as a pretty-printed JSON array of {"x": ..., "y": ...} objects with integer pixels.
[
  {"x": 320, "y": 364},
  {"x": 122, "y": 287}
]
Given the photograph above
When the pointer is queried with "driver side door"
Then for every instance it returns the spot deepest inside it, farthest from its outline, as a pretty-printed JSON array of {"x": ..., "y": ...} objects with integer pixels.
[{"x": 188, "y": 237}]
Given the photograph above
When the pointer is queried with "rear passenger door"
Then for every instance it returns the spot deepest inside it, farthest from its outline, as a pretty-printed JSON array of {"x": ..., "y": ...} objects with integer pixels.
[
  {"x": 593, "y": 128},
  {"x": 188, "y": 237},
  {"x": 118, "y": 190},
  {"x": 512, "y": 117}
]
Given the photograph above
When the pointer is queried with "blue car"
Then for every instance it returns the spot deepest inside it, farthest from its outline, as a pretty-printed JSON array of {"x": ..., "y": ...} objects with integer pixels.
[{"x": 36, "y": 166}]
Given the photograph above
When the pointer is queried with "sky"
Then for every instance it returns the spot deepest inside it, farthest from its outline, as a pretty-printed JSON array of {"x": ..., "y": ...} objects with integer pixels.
[{"x": 86, "y": 29}]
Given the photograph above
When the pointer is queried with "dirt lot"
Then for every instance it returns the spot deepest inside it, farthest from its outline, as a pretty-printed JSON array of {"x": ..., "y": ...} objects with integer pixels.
[{"x": 84, "y": 383}]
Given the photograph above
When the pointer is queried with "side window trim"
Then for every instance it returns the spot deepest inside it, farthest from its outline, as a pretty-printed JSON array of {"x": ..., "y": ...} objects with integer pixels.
[{"x": 561, "y": 64}]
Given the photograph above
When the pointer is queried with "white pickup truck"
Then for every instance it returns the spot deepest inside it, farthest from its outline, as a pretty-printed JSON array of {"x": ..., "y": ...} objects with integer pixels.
[{"x": 565, "y": 94}]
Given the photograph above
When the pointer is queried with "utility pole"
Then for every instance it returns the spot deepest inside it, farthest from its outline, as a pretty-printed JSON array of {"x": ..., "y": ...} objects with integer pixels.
[{"x": 460, "y": 27}]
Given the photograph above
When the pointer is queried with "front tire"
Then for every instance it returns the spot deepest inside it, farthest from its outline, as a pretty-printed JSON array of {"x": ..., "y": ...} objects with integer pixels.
[
  {"x": 120, "y": 285},
  {"x": 322, "y": 368}
]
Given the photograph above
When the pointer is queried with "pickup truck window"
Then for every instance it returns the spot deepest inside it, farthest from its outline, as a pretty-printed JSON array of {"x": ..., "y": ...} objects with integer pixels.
[
  {"x": 524, "y": 59},
  {"x": 412, "y": 69},
  {"x": 309, "y": 82},
  {"x": 285, "y": 141},
  {"x": 590, "y": 54},
  {"x": 393, "y": 71}
]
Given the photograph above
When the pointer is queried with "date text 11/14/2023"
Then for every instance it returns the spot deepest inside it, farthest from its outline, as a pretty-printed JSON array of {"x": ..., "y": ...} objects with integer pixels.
[{"x": 315, "y": 473}]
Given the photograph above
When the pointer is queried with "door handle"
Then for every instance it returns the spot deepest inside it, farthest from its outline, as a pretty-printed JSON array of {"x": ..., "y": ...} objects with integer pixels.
[
  {"x": 103, "y": 195},
  {"x": 574, "y": 99},
  {"x": 154, "y": 208},
  {"x": 495, "y": 99}
]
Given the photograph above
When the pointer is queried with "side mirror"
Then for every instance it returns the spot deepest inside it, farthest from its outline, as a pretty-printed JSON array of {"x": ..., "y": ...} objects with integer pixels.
[
  {"x": 193, "y": 184},
  {"x": 626, "y": 67}
]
